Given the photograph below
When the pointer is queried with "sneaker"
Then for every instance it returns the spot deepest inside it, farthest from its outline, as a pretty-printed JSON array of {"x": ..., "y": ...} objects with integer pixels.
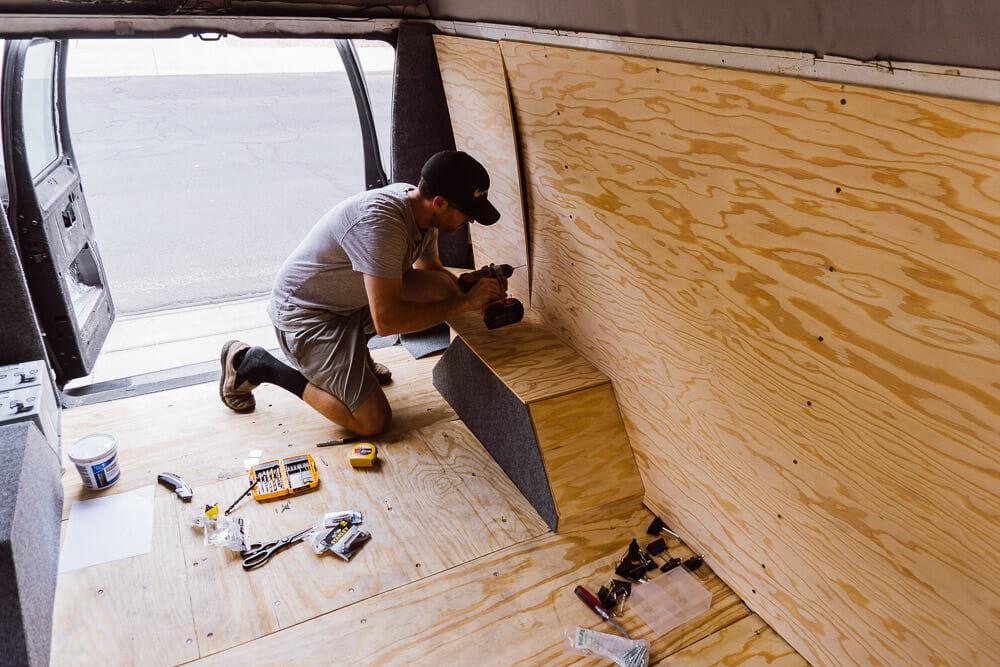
[
  {"x": 239, "y": 399},
  {"x": 381, "y": 371}
]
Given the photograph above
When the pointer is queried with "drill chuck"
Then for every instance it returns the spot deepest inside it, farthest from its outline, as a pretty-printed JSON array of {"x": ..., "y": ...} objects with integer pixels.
[{"x": 467, "y": 280}]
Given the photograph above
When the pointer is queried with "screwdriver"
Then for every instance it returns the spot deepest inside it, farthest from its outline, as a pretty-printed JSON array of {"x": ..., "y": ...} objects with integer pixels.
[
  {"x": 245, "y": 494},
  {"x": 595, "y": 606}
]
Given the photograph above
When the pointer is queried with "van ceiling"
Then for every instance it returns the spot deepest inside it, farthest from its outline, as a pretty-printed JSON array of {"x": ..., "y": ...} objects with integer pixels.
[{"x": 959, "y": 34}]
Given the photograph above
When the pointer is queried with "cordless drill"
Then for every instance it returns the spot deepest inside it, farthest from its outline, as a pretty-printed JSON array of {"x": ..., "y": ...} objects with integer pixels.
[{"x": 497, "y": 313}]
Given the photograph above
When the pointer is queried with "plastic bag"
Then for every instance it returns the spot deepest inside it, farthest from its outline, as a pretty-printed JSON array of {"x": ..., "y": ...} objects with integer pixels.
[
  {"x": 338, "y": 532},
  {"x": 345, "y": 540},
  {"x": 331, "y": 519},
  {"x": 221, "y": 531},
  {"x": 624, "y": 652}
]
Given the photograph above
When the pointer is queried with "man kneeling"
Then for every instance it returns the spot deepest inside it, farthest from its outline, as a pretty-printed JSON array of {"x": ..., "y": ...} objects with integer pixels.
[{"x": 370, "y": 265}]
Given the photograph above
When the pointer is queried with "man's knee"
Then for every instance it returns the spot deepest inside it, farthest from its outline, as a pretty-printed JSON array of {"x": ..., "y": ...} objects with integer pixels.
[{"x": 373, "y": 416}]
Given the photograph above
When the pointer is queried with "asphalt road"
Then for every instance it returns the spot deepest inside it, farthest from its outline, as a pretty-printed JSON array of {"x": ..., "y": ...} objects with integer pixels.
[{"x": 200, "y": 186}]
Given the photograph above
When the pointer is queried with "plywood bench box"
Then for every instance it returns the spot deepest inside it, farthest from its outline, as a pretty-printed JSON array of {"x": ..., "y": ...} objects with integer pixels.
[{"x": 548, "y": 417}]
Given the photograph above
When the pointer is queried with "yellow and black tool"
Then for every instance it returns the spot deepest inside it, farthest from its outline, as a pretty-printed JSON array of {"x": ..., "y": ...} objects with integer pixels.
[
  {"x": 280, "y": 477},
  {"x": 363, "y": 455}
]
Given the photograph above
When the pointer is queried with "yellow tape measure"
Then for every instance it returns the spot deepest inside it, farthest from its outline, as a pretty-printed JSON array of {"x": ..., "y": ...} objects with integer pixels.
[{"x": 363, "y": 455}]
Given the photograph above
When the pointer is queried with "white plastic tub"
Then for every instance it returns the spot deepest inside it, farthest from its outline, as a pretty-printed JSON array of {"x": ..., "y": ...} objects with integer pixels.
[{"x": 96, "y": 458}]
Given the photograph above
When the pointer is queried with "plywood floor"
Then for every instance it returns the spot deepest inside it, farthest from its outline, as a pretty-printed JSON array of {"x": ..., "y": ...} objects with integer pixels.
[{"x": 460, "y": 569}]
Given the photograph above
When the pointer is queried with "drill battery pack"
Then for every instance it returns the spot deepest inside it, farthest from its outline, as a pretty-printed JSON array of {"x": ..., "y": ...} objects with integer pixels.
[{"x": 503, "y": 312}]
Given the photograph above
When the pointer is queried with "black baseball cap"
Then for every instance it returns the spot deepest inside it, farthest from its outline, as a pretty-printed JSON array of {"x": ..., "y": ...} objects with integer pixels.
[{"x": 459, "y": 178}]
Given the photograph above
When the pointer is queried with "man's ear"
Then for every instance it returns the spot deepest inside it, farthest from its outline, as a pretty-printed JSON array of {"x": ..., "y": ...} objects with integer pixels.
[{"x": 439, "y": 203}]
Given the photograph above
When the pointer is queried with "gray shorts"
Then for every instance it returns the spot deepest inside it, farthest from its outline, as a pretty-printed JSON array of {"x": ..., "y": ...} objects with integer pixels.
[{"x": 334, "y": 356}]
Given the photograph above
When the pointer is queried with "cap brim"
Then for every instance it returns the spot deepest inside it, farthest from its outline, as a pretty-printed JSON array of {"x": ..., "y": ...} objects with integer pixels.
[{"x": 485, "y": 214}]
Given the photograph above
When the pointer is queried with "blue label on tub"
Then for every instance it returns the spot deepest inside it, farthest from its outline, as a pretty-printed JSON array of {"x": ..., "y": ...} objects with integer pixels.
[{"x": 107, "y": 473}]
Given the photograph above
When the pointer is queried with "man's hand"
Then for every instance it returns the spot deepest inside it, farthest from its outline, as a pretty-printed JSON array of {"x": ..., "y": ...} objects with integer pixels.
[
  {"x": 498, "y": 275},
  {"x": 484, "y": 291}
]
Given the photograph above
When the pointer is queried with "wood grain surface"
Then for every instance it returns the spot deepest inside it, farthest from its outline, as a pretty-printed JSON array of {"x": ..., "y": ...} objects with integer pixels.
[
  {"x": 586, "y": 454},
  {"x": 189, "y": 431},
  {"x": 506, "y": 518},
  {"x": 93, "y": 618},
  {"x": 577, "y": 425},
  {"x": 794, "y": 287},
  {"x": 527, "y": 357},
  {"x": 747, "y": 642},
  {"x": 414, "y": 508},
  {"x": 479, "y": 104},
  {"x": 484, "y": 614},
  {"x": 458, "y": 560},
  {"x": 436, "y": 500}
]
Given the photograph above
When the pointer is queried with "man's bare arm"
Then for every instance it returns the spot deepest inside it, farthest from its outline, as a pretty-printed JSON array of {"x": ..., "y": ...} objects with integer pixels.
[
  {"x": 421, "y": 300},
  {"x": 433, "y": 264},
  {"x": 436, "y": 265},
  {"x": 429, "y": 280}
]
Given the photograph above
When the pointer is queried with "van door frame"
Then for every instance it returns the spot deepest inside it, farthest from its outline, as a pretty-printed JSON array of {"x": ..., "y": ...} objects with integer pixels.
[{"x": 51, "y": 225}]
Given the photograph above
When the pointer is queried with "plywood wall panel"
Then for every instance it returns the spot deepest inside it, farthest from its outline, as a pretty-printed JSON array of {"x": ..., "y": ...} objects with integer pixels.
[
  {"x": 586, "y": 453},
  {"x": 475, "y": 85},
  {"x": 794, "y": 289},
  {"x": 527, "y": 357}
]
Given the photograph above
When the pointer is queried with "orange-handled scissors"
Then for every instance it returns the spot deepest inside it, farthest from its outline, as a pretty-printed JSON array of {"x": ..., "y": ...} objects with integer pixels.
[{"x": 260, "y": 553}]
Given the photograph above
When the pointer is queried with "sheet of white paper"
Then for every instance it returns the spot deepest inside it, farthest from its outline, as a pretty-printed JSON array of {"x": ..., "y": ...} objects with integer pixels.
[{"x": 108, "y": 528}]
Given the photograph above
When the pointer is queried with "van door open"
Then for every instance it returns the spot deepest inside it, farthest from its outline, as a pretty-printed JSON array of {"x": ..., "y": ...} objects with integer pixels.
[{"x": 47, "y": 210}]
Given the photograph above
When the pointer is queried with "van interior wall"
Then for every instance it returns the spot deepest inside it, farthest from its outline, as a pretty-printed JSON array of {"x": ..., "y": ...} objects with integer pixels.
[
  {"x": 961, "y": 34},
  {"x": 794, "y": 287}
]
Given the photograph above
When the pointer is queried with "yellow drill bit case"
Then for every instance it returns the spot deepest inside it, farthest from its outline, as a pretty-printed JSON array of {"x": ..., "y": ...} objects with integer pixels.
[{"x": 281, "y": 477}]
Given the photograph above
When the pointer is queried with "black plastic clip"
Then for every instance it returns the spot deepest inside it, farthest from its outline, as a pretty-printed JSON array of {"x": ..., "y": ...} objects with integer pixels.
[
  {"x": 657, "y": 527},
  {"x": 657, "y": 546}
]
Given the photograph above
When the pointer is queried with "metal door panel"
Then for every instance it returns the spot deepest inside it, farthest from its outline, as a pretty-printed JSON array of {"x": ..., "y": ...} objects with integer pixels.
[{"x": 48, "y": 211}]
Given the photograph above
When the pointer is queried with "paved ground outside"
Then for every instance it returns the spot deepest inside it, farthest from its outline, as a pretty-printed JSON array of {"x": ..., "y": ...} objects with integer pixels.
[{"x": 204, "y": 163}]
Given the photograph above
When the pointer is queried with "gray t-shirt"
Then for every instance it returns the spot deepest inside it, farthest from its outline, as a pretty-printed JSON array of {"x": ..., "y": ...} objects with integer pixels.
[{"x": 371, "y": 233}]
